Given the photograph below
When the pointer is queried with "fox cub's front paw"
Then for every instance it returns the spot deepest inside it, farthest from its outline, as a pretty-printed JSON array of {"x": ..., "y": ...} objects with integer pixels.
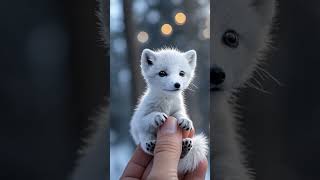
[
  {"x": 159, "y": 119},
  {"x": 185, "y": 124}
]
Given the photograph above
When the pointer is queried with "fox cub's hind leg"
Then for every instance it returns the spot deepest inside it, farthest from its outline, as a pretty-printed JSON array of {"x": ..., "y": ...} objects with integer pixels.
[
  {"x": 153, "y": 120},
  {"x": 147, "y": 143},
  {"x": 150, "y": 146},
  {"x": 186, "y": 147}
]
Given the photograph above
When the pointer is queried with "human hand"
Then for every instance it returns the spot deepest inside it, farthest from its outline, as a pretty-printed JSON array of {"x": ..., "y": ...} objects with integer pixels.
[{"x": 163, "y": 165}]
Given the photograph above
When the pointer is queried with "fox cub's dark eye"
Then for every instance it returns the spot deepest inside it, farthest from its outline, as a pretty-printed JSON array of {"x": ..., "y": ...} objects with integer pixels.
[
  {"x": 231, "y": 38},
  {"x": 162, "y": 73},
  {"x": 181, "y": 73}
]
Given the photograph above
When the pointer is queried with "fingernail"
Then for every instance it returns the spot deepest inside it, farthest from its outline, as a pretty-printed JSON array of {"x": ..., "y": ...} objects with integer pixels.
[{"x": 169, "y": 127}]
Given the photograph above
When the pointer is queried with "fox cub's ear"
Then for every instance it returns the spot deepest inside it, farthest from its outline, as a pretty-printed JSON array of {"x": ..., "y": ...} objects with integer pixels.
[
  {"x": 191, "y": 56},
  {"x": 148, "y": 57}
]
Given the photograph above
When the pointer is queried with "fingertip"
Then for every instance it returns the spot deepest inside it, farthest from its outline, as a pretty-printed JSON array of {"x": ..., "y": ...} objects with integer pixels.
[
  {"x": 171, "y": 118},
  {"x": 185, "y": 134},
  {"x": 170, "y": 127},
  {"x": 191, "y": 133},
  {"x": 188, "y": 134}
]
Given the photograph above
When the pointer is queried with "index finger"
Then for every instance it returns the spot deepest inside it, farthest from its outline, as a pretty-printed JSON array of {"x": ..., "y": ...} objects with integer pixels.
[{"x": 137, "y": 165}]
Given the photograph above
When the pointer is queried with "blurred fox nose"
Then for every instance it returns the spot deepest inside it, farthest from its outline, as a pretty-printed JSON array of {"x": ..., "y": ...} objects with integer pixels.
[
  {"x": 217, "y": 75},
  {"x": 177, "y": 85}
]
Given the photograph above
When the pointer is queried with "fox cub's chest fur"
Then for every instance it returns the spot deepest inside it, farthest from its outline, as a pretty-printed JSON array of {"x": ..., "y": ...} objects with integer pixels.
[
  {"x": 168, "y": 73},
  {"x": 169, "y": 105}
]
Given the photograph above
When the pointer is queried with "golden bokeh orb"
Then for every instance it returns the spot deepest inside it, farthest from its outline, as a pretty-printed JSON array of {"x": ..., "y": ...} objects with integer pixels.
[
  {"x": 180, "y": 18},
  {"x": 166, "y": 29}
]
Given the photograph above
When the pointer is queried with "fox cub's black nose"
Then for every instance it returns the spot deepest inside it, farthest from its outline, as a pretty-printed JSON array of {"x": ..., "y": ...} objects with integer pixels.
[
  {"x": 217, "y": 75},
  {"x": 177, "y": 85}
]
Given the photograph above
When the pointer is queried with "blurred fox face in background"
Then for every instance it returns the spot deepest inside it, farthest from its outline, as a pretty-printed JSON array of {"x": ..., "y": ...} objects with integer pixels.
[{"x": 240, "y": 35}]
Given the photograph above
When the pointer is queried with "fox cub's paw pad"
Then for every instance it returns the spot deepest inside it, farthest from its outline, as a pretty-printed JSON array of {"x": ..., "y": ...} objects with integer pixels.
[
  {"x": 185, "y": 124},
  {"x": 150, "y": 146},
  {"x": 159, "y": 119},
  {"x": 186, "y": 147}
]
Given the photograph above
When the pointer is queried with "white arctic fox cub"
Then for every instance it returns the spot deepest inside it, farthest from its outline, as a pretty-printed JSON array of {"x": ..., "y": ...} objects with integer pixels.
[
  {"x": 240, "y": 36},
  {"x": 167, "y": 73}
]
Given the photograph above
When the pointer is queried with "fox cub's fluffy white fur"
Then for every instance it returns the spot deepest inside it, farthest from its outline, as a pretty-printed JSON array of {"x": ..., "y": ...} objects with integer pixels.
[
  {"x": 240, "y": 36},
  {"x": 167, "y": 72}
]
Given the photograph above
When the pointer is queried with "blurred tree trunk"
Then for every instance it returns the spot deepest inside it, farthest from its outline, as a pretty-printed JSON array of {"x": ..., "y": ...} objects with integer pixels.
[{"x": 132, "y": 51}]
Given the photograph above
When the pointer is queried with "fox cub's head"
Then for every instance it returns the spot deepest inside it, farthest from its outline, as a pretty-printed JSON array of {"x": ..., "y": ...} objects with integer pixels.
[
  {"x": 168, "y": 70},
  {"x": 240, "y": 34}
]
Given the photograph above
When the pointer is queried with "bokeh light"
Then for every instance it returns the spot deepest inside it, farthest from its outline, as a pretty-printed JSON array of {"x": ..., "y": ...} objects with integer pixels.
[
  {"x": 166, "y": 29},
  {"x": 180, "y": 18},
  {"x": 143, "y": 37}
]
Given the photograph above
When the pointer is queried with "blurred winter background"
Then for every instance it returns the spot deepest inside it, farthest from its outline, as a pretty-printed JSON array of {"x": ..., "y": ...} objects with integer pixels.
[
  {"x": 53, "y": 76},
  {"x": 139, "y": 24}
]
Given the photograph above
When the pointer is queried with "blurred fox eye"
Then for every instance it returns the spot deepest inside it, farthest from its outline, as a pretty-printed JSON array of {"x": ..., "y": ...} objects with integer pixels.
[
  {"x": 182, "y": 73},
  {"x": 231, "y": 38},
  {"x": 162, "y": 73}
]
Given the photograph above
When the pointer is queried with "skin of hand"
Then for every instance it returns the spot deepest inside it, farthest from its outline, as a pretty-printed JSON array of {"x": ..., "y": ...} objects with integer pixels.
[{"x": 163, "y": 165}]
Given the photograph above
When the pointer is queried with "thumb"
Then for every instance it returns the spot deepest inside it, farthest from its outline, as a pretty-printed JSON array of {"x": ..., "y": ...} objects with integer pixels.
[{"x": 168, "y": 149}]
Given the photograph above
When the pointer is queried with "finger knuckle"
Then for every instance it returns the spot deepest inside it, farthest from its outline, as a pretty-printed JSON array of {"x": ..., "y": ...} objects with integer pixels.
[{"x": 167, "y": 146}]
